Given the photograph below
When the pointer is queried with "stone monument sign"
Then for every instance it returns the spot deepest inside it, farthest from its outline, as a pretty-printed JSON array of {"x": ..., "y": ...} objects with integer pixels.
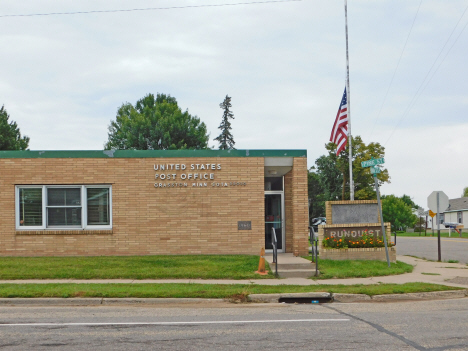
[{"x": 354, "y": 213}]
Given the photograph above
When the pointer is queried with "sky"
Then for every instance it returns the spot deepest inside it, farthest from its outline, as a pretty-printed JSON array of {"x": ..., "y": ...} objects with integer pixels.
[{"x": 63, "y": 77}]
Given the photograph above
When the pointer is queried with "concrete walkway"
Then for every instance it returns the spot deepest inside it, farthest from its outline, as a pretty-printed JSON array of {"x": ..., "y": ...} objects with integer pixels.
[{"x": 451, "y": 274}]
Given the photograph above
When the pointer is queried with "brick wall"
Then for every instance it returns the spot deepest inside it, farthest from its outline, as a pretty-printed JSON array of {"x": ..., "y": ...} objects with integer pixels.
[
  {"x": 300, "y": 209},
  {"x": 377, "y": 253},
  {"x": 288, "y": 207},
  {"x": 296, "y": 208},
  {"x": 373, "y": 254},
  {"x": 149, "y": 220}
]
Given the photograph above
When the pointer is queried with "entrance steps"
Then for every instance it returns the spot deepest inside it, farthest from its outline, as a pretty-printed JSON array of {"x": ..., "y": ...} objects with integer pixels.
[{"x": 290, "y": 266}]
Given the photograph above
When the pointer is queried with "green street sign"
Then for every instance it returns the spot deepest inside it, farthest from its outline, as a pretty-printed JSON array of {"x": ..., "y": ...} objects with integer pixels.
[
  {"x": 374, "y": 170},
  {"x": 373, "y": 162}
]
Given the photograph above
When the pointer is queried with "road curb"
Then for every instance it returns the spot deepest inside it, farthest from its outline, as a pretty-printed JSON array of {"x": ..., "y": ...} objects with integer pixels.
[
  {"x": 349, "y": 298},
  {"x": 157, "y": 301},
  {"x": 98, "y": 301},
  {"x": 433, "y": 295},
  {"x": 346, "y": 298},
  {"x": 255, "y": 298},
  {"x": 275, "y": 298},
  {"x": 51, "y": 301}
]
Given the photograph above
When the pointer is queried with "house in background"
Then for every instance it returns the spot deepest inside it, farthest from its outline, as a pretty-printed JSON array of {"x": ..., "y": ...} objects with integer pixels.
[{"x": 457, "y": 212}]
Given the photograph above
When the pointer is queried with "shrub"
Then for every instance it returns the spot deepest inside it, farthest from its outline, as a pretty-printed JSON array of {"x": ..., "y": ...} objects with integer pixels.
[{"x": 334, "y": 243}]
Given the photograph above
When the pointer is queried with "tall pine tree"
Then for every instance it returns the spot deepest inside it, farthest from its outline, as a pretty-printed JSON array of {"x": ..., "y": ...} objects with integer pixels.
[{"x": 225, "y": 139}]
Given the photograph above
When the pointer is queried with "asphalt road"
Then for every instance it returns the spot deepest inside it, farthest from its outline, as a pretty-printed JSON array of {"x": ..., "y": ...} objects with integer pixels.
[
  {"x": 429, "y": 325},
  {"x": 426, "y": 247}
]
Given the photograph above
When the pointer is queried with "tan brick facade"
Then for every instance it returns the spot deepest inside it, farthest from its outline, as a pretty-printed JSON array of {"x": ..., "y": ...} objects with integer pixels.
[
  {"x": 299, "y": 208},
  {"x": 373, "y": 254},
  {"x": 377, "y": 253},
  {"x": 296, "y": 208},
  {"x": 153, "y": 221}
]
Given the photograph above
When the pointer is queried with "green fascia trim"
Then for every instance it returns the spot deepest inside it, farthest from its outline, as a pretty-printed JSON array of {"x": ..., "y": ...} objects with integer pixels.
[{"x": 152, "y": 153}]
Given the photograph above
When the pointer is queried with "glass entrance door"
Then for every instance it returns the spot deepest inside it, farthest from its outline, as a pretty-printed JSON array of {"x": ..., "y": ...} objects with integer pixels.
[{"x": 274, "y": 219}]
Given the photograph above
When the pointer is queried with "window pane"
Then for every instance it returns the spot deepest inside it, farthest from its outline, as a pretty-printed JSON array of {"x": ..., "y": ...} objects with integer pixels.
[
  {"x": 273, "y": 183},
  {"x": 98, "y": 206},
  {"x": 66, "y": 216},
  {"x": 30, "y": 207},
  {"x": 63, "y": 197}
]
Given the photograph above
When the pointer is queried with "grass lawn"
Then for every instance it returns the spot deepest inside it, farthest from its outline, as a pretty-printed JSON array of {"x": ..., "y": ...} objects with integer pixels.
[
  {"x": 429, "y": 234},
  {"x": 359, "y": 269},
  {"x": 132, "y": 267},
  {"x": 234, "y": 291}
]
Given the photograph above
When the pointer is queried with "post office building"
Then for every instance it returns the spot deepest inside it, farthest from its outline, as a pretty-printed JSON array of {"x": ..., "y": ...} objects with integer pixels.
[{"x": 129, "y": 202}]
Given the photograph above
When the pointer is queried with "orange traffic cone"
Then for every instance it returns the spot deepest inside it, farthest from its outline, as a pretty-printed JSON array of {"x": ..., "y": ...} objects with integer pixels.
[{"x": 261, "y": 264}]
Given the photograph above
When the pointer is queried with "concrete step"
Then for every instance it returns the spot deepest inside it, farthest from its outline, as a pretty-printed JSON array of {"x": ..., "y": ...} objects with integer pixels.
[
  {"x": 297, "y": 273},
  {"x": 288, "y": 266}
]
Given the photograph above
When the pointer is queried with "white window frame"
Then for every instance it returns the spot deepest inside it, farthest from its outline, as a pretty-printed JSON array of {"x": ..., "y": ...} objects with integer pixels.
[
  {"x": 84, "y": 215},
  {"x": 84, "y": 207},
  {"x": 45, "y": 206}
]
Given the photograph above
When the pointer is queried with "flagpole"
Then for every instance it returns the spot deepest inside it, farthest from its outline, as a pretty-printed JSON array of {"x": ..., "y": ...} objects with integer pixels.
[{"x": 350, "y": 148}]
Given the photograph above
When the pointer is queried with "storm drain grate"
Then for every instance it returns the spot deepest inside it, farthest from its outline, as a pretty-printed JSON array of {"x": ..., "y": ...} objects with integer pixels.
[{"x": 305, "y": 300}]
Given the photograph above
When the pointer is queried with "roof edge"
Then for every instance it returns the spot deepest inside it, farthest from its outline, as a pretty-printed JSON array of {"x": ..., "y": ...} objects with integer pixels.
[{"x": 151, "y": 153}]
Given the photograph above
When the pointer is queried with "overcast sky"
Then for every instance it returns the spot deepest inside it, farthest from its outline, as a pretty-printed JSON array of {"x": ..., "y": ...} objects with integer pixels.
[{"x": 63, "y": 77}]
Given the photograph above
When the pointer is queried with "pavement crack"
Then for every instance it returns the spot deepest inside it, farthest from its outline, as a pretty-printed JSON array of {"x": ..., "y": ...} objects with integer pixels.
[
  {"x": 443, "y": 348},
  {"x": 381, "y": 329}
]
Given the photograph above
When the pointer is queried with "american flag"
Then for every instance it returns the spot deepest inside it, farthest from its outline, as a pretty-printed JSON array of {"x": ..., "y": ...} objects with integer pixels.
[{"x": 339, "y": 134}]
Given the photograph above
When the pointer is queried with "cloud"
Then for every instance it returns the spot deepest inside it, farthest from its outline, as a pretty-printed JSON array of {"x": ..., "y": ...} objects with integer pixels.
[{"x": 64, "y": 77}]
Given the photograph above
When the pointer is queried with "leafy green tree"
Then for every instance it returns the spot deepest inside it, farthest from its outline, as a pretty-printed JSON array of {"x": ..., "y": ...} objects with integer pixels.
[
  {"x": 397, "y": 212},
  {"x": 324, "y": 184},
  {"x": 407, "y": 200},
  {"x": 10, "y": 135},
  {"x": 225, "y": 139},
  {"x": 364, "y": 185},
  {"x": 156, "y": 124},
  {"x": 465, "y": 192},
  {"x": 315, "y": 195},
  {"x": 329, "y": 178}
]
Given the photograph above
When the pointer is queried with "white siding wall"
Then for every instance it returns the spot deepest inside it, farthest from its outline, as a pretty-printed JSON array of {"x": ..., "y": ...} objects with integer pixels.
[{"x": 452, "y": 217}]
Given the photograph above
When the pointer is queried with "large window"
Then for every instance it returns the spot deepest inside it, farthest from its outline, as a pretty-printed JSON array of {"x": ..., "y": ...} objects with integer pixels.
[
  {"x": 64, "y": 207},
  {"x": 98, "y": 200},
  {"x": 30, "y": 207}
]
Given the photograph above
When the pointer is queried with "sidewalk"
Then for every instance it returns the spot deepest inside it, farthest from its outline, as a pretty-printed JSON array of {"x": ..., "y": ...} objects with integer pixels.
[{"x": 450, "y": 274}]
